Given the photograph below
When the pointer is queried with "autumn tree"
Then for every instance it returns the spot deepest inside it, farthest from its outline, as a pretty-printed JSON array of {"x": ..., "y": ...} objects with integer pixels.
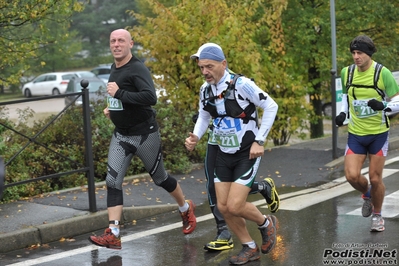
[
  {"x": 96, "y": 22},
  {"x": 26, "y": 33},
  {"x": 307, "y": 28},
  {"x": 286, "y": 88},
  {"x": 175, "y": 32}
]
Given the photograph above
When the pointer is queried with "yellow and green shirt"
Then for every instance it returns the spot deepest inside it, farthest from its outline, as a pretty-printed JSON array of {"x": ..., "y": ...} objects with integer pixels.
[{"x": 362, "y": 119}]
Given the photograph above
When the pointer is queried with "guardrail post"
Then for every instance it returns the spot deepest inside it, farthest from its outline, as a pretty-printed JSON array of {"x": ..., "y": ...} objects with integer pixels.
[{"x": 88, "y": 146}]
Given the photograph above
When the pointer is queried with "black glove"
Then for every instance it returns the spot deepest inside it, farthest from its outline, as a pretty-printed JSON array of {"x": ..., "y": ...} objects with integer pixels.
[
  {"x": 376, "y": 105},
  {"x": 340, "y": 119}
]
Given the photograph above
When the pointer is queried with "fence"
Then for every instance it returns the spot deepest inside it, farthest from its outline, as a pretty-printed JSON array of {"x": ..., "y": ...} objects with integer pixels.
[{"x": 88, "y": 166}]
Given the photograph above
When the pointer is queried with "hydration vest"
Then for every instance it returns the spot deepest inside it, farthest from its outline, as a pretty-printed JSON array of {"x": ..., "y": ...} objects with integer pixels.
[
  {"x": 233, "y": 109},
  {"x": 377, "y": 72}
]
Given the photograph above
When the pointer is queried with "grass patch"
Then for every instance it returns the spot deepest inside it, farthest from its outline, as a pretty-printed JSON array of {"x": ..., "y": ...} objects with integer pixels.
[{"x": 9, "y": 96}]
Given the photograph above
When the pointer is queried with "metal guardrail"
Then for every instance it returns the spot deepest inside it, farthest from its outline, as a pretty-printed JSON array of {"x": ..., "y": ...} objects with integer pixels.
[{"x": 88, "y": 168}]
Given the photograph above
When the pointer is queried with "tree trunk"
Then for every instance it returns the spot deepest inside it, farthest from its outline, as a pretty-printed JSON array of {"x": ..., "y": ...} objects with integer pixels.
[{"x": 316, "y": 128}]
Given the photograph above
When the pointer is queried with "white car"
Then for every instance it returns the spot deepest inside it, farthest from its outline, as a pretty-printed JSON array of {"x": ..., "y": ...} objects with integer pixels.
[{"x": 48, "y": 84}]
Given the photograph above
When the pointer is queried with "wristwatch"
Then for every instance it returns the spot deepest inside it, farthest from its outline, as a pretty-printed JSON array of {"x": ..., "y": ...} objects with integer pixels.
[{"x": 260, "y": 142}]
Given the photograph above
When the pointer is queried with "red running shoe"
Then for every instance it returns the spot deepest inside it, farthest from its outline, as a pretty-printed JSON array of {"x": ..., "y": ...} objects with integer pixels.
[
  {"x": 189, "y": 220},
  {"x": 108, "y": 240}
]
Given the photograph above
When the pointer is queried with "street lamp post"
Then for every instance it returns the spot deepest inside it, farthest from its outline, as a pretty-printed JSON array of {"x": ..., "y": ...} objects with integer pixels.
[{"x": 333, "y": 76}]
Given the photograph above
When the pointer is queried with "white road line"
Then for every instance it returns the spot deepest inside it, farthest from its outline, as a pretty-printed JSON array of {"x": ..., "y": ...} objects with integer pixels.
[
  {"x": 124, "y": 239},
  {"x": 327, "y": 191},
  {"x": 56, "y": 256},
  {"x": 390, "y": 208},
  {"x": 306, "y": 200}
]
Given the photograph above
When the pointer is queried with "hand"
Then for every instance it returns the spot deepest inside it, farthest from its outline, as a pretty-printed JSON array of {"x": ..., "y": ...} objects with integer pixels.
[
  {"x": 340, "y": 119},
  {"x": 256, "y": 151},
  {"x": 191, "y": 142},
  {"x": 106, "y": 112},
  {"x": 112, "y": 87},
  {"x": 376, "y": 105}
]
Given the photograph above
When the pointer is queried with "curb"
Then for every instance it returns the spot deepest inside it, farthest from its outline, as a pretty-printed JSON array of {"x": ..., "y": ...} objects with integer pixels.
[{"x": 69, "y": 228}]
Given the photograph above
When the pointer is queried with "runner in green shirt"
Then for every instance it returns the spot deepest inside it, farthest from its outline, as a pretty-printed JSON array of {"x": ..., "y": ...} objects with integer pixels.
[{"x": 364, "y": 103}]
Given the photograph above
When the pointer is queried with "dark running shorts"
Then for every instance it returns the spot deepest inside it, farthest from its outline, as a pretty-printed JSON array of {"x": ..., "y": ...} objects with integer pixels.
[
  {"x": 236, "y": 168},
  {"x": 371, "y": 144}
]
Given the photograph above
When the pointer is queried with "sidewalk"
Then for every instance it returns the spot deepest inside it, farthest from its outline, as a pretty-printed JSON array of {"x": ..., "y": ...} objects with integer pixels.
[{"x": 65, "y": 214}]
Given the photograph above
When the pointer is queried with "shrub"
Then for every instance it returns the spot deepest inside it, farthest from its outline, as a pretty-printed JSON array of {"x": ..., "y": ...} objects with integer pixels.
[{"x": 59, "y": 146}]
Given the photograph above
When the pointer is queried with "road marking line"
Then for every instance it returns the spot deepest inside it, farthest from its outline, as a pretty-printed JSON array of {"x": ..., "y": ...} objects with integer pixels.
[
  {"x": 92, "y": 247},
  {"x": 390, "y": 207},
  {"x": 306, "y": 200},
  {"x": 337, "y": 187},
  {"x": 57, "y": 256}
]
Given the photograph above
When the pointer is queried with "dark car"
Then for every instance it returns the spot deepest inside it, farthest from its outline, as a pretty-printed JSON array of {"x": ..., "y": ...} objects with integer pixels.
[
  {"x": 102, "y": 71},
  {"x": 97, "y": 90}
]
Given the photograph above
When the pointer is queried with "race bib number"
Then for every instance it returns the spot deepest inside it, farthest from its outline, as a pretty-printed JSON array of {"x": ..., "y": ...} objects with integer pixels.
[
  {"x": 114, "y": 104},
  {"x": 226, "y": 140},
  {"x": 362, "y": 110}
]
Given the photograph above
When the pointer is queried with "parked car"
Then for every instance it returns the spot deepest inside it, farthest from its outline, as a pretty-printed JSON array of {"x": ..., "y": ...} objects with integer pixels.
[
  {"x": 84, "y": 74},
  {"x": 97, "y": 90},
  {"x": 102, "y": 71},
  {"x": 48, "y": 84}
]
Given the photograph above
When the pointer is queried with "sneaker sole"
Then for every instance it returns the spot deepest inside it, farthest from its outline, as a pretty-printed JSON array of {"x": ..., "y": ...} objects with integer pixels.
[
  {"x": 241, "y": 263},
  {"x": 377, "y": 229},
  {"x": 275, "y": 204},
  {"x": 106, "y": 246},
  {"x": 219, "y": 248}
]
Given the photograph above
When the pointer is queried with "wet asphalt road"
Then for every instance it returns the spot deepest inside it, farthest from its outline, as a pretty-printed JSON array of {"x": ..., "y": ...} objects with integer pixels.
[
  {"x": 326, "y": 230},
  {"x": 319, "y": 221}
]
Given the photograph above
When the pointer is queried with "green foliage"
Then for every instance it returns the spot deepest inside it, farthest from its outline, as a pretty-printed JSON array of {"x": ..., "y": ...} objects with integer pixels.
[
  {"x": 95, "y": 24},
  {"x": 27, "y": 29},
  {"x": 288, "y": 90},
  {"x": 171, "y": 36},
  {"x": 174, "y": 127},
  {"x": 373, "y": 18},
  {"x": 60, "y": 147},
  {"x": 307, "y": 30},
  {"x": 253, "y": 46}
]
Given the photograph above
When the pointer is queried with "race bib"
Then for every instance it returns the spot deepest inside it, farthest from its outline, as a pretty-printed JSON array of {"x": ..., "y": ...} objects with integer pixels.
[
  {"x": 114, "y": 104},
  {"x": 212, "y": 138},
  {"x": 226, "y": 140},
  {"x": 362, "y": 110}
]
